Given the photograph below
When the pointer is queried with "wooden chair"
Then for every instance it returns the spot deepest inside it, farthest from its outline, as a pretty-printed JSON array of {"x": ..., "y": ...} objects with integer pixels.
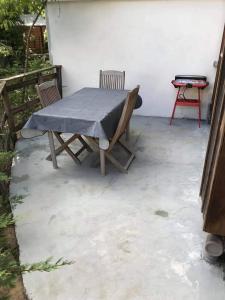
[
  {"x": 114, "y": 80},
  {"x": 49, "y": 94},
  {"x": 121, "y": 128}
]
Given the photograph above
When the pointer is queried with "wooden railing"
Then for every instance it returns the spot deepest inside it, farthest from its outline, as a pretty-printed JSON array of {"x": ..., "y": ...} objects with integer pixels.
[{"x": 19, "y": 98}]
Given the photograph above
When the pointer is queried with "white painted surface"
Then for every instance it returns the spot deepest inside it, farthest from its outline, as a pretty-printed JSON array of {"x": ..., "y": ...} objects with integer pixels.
[{"x": 151, "y": 40}]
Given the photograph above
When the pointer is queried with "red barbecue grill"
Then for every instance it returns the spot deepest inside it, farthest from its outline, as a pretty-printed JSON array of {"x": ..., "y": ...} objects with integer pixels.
[{"x": 183, "y": 82}]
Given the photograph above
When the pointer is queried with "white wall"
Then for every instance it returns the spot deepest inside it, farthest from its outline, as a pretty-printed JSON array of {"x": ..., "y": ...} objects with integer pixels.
[{"x": 151, "y": 40}]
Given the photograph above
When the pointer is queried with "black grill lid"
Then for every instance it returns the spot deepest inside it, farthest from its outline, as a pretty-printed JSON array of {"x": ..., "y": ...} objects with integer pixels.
[{"x": 191, "y": 77}]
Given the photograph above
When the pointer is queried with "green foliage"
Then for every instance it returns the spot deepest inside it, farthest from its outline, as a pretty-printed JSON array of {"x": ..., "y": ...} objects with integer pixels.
[
  {"x": 38, "y": 62},
  {"x": 10, "y": 268},
  {"x": 11, "y": 11},
  {"x": 5, "y": 160},
  {"x": 9, "y": 70},
  {"x": 12, "y": 37},
  {"x": 44, "y": 266},
  {"x": 3, "y": 177},
  {"x": 11, "y": 34},
  {"x": 15, "y": 200},
  {"x": 6, "y": 220},
  {"x": 35, "y": 62},
  {"x": 5, "y": 50}
]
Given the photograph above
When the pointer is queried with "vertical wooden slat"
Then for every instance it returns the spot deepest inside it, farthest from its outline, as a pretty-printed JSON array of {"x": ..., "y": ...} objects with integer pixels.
[
  {"x": 100, "y": 79},
  {"x": 112, "y": 80},
  {"x": 106, "y": 81}
]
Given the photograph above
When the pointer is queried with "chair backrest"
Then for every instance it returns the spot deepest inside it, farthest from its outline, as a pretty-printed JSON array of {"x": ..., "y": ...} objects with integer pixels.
[
  {"x": 48, "y": 92},
  {"x": 125, "y": 116},
  {"x": 114, "y": 80}
]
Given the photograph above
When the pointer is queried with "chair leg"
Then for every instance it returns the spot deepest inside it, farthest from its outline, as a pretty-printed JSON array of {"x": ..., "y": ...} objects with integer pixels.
[
  {"x": 102, "y": 161},
  {"x": 132, "y": 157},
  {"x": 124, "y": 147},
  {"x": 127, "y": 133},
  {"x": 52, "y": 148},
  {"x": 105, "y": 154},
  {"x": 115, "y": 163}
]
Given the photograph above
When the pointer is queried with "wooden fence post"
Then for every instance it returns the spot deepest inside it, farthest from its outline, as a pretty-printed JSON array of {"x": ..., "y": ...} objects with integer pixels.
[
  {"x": 8, "y": 111},
  {"x": 59, "y": 78}
]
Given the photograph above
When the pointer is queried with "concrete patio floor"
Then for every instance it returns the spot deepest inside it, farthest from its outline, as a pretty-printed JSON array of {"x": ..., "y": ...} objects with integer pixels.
[{"x": 131, "y": 237}]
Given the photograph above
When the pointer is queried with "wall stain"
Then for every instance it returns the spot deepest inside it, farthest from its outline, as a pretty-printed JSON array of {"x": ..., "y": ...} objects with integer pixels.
[
  {"x": 51, "y": 218},
  {"x": 162, "y": 213},
  {"x": 124, "y": 246}
]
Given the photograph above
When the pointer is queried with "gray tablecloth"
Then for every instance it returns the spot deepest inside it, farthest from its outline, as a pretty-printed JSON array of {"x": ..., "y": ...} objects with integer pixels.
[{"x": 90, "y": 111}]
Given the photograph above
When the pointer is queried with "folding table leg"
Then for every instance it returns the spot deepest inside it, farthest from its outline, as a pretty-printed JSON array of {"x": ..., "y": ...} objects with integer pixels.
[
  {"x": 80, "y": 138},
  {"x": 52, "y": 148},
  {"x": 67, "y": 149},
  {"x": 61, "y": 148}
]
